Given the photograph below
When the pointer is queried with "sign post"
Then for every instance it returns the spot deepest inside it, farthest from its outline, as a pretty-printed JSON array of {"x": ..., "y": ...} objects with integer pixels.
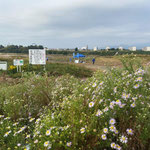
[{"x": 18, "y": 63}]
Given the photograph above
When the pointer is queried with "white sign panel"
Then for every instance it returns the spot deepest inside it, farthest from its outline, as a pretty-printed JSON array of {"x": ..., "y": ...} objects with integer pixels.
[
  {"x": 18, "y": 62},
  {"x": 76, "y": 61},
  {"x": 3, "y": 65},
  {"x": 37, "y": 56}
]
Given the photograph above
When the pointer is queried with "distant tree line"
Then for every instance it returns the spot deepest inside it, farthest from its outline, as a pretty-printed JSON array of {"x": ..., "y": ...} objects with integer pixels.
[
  {"x": 18, "y": 49},
  {"x": 103, "y": 52},
  {"x": 100, "y": 52}
]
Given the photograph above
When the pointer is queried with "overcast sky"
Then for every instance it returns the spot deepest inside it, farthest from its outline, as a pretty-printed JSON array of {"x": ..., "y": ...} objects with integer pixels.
[{"x": 75, "y": 23}]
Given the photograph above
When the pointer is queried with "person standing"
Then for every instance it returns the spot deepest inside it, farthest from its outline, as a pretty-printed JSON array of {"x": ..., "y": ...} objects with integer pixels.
[
  {"x": 93, "y": 60},
  {"x": 70, "y": 59}
]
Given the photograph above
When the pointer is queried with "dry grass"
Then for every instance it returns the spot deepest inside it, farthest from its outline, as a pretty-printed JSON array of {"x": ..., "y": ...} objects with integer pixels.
[{"x": 102, "y": 62}]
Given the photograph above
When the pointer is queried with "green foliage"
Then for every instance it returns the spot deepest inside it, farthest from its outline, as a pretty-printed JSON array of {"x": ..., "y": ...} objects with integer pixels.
[
  {"x": 130, "y": 63},
  {"x": 18, "y": 49},
  {"x": 67, "y": 113},
  {"x": 76, "y": 49},
  {"x": 53, "y": 69},
  {"x": 63, "y": 69},
  {"x": 101, "y": 52}
]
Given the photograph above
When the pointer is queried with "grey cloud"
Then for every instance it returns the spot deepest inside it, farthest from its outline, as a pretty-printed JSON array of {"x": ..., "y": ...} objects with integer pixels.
[{"x": 72, "y": 23}]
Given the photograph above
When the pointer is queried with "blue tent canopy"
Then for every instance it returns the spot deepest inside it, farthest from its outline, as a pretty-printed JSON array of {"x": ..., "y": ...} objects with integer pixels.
[{"x": 78, "y": 55}]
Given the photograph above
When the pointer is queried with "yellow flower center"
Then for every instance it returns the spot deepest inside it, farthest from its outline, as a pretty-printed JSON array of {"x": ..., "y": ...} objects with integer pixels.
[{"x": 123, "y": 138}]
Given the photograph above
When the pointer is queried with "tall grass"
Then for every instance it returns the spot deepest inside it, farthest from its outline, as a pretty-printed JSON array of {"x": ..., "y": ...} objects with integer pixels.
[
  {"x": 54, "y": 69},
  {"x": 109, "y": 110}
]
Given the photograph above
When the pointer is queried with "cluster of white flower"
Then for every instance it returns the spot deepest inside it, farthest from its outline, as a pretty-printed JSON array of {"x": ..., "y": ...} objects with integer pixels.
[{"x": 115, "y": 146}]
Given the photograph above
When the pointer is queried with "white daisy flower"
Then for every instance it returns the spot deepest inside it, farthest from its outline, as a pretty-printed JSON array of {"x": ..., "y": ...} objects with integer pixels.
[
  {"x": 99, "y": 112},
  {"x": 1, "y": 116},
  {"x": 125, "y": 96},
  {"x": 15, "y": 123},
  {"x": 128, "y": 96},
  {"x": 136, "y": 86},
  {"x": 69, "y": 144},
  {"x": 38, "y": 120},
  {"x": 7, "y": 133},
  {"x": 106, "y": 109},
  {"x": 18, "y": 144},
  {"x": 134, "y": 98},
  {"x": 140, "y": 71},
  {"x": 101, "y": 83},
  {"x": 36, "y": 141},
  {"x": 31, "y": 119},
  {"x": 23, "y": 128},
  {"x": 82, "y": 130},
  {"x": 48, "y": 132},
  {"x": 112, "y": 128},
  {"x": 91, "y": 104},
  {"x": 104, "y": 136},
  {"x": 46, "y": 143},
  {"x": 118, "y": 102},
  {"x": 139, "y": 79},
  {"x": 122, "y": 105},
  {"x": 101, "y": 101},
  {"x": 116, "y": 131},
  {"x": 129, "y": 131},
  {"x": 115, "y": 90},
  {"x": 123, "y": 139},
  {"x": 105, "y": 130},
  {"x": 27, "y": 147},
  {"x": 133, "y": 105},
  {"x": 28, "y": 136},
  {"x": 112, "y": 104},
  {"x": 94, "y": 85},
  {"x": 113, "y": 145},
  {"x": 118, "y": 147},
  {"x": 112, "y": 121}
]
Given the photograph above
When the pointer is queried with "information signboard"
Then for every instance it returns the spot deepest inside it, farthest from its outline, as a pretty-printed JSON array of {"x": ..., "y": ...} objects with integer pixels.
[
  {"x": 3, "y": 65},
  {"x": 18, "y": 62},
  {"x": 37, "y": 56}
]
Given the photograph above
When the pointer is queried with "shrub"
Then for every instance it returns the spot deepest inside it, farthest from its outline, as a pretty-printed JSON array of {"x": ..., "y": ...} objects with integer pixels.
[
  {"x": 53, "y": 69},
  {"x": 107, "y": 111},
  {"x": 110, "y": 110},
  {"x": 63, "y": 69}
]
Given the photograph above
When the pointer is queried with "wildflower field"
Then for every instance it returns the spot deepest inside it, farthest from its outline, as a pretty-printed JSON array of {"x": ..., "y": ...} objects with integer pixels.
[{"x": 110, "y": 110}]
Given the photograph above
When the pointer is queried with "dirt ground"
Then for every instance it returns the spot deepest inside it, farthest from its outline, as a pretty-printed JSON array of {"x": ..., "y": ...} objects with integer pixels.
[{"x": 102, "y": 62}]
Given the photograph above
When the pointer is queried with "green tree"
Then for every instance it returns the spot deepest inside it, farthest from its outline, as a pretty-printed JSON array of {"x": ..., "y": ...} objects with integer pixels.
[{"x": 76, "y": 49}]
